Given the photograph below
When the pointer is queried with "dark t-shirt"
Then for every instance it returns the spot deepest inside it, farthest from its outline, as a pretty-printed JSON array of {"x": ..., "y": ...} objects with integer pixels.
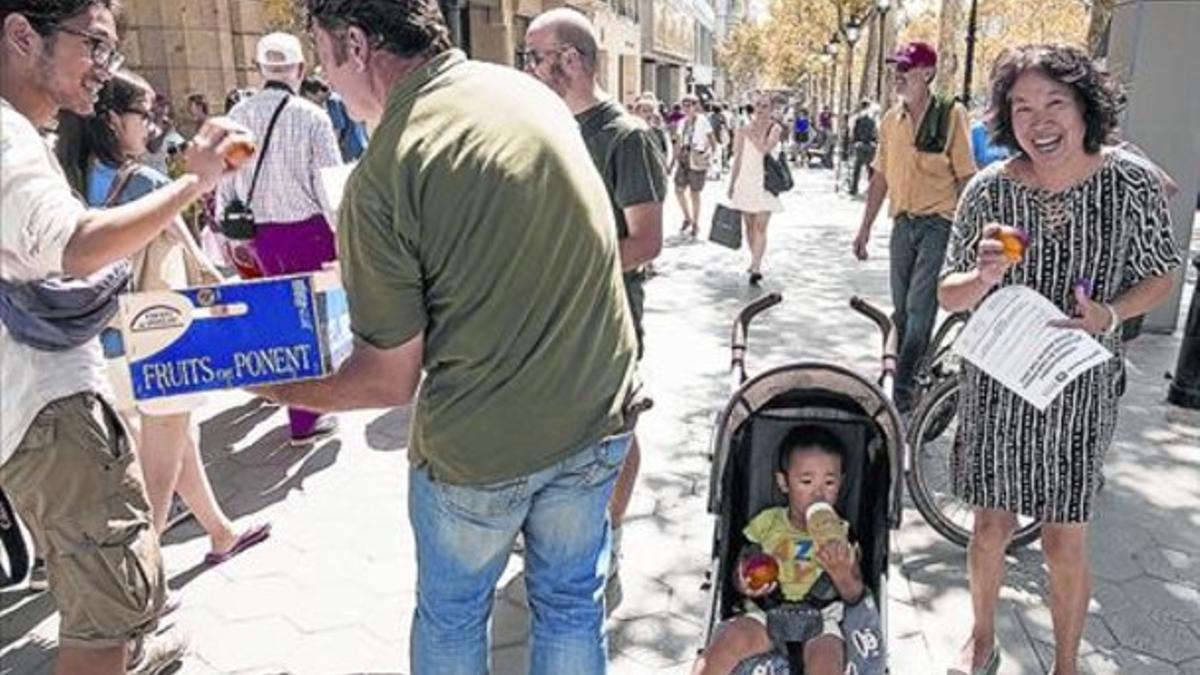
[
  {"x": 865, "y": 130},
  {"x": 627, "y": 156}
]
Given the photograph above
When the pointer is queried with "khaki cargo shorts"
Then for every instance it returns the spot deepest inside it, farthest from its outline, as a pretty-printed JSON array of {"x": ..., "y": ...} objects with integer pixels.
[{"x": 74, "y": 482}]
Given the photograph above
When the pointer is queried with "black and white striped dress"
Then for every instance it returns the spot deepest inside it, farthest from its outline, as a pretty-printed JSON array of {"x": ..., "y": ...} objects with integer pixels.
[{"x": 1112, "y": 228}]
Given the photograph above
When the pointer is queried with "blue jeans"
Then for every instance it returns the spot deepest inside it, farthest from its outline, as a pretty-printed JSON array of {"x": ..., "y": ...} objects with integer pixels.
[
  {"x": 918, "y": 249},
  {"x": 464, "y": 536}
]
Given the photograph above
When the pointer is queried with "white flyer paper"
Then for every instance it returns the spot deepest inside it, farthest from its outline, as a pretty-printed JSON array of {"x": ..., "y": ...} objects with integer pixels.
[{"x": 1008, "y": 337}]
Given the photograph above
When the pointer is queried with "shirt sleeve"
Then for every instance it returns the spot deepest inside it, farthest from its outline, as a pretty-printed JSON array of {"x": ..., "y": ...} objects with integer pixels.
[
  {"x": 962, "y": 161},
  {"x": 1152, "y": 251},
  {"x": 759, "y": 527},
  {"x": 39, "y": 210},
  {"x": 381, "y": 268},
  {"x": 969, "y": 219},
  {"x": 641, "y": 170}
]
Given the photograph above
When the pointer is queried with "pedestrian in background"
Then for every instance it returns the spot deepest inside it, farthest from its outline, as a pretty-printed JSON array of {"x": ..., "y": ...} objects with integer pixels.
[
  {"x": 646, "y": 107},
  {"x": 104, "y": 150},
  {"x": 922, "y": 163},
  {"x": 801, "y": 136},
  {"x": 292, "y": 215},
  {"x": 747, "y": 189},
  {"x": 514, "y": 316},
  {"x": 625, "y": 153},
  {"x": 982, "y": 148},
  {"x": 197, "y": 110},
  {"x": 1091, "y": 213},
  {"x": 693, "y": 155},
  {"x": 865, "y": 138}
]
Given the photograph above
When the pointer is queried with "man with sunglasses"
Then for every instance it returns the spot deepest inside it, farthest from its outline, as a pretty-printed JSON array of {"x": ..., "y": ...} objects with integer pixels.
[
  {"x": 922, "y": 163},
  {"x": 65, "y": 457},
  {"x": 624, "y": 152}
]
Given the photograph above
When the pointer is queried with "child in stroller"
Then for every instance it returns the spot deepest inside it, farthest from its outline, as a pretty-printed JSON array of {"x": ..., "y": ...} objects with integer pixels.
[
  {"x": 814, "y": 570},
  {"x": 804, "y": 403}
]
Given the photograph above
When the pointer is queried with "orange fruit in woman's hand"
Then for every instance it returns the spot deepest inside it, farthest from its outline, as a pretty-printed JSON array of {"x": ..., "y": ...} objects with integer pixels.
[{"x": 1014, "y": 240}]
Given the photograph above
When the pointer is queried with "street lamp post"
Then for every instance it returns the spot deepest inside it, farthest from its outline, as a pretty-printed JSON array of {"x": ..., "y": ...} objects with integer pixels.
[
  {"x": 832, "y": 49},
  {"x": 852, "y": 31},
  {"x": 882, "y": 6}
]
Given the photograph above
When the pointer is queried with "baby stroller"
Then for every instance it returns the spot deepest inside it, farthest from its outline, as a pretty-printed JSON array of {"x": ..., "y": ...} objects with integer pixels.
[{"x": 746, "y": 437}]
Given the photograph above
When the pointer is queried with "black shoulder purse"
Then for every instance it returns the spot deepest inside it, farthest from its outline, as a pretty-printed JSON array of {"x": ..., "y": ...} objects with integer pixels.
[
  {"x": 237, "y": 221},
  {"x": 777, "y": 177}
]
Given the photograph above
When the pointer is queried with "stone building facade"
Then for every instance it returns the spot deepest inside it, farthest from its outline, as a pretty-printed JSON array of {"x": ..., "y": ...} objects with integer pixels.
[{"x": 207, "y": 46}]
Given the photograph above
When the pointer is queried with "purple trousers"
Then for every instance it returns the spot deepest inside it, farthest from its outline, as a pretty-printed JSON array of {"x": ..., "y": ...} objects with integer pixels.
[{"x": 293, "y": 248}]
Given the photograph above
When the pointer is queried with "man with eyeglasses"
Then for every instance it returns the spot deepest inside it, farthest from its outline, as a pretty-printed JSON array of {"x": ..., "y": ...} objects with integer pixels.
[
  {"x": 478, "y": 248},
  {"x": 624, "y": 152},
  {"x": 922, "y": 163},
  {"x": 65, "y": 457}
]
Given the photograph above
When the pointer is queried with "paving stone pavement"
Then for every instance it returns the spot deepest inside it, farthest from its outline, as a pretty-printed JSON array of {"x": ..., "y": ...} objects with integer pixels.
[{"x": 332, "y": 591}]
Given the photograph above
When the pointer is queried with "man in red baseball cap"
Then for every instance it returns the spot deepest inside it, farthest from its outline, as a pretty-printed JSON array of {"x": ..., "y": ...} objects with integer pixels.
[
  {"x": 914, "y": 55},
  {"x": 923, "y": 161}
]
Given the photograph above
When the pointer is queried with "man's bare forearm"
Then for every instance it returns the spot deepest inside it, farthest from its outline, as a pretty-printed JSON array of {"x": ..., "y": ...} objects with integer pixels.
[{"x": 103, "y": 237}]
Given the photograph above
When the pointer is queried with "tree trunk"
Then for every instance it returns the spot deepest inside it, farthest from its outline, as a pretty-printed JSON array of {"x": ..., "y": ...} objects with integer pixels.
[
  {"x": 870, "y": 57},
  {"x": 1097, "y": 35},
  {"x": 951, "y": 33}
]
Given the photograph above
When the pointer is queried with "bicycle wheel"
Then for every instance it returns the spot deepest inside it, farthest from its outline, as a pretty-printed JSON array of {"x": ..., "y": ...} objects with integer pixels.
[{"x": 928, "y": 477}]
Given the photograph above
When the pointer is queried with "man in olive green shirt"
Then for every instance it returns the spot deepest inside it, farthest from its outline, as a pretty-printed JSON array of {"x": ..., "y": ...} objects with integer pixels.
[
  {"x": 476, "y": 244},
  {"x": 560, "y": 50}
]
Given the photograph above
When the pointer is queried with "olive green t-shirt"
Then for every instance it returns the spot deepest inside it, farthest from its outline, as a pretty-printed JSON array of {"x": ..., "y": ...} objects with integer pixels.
[{"x": 474, "y": 218}]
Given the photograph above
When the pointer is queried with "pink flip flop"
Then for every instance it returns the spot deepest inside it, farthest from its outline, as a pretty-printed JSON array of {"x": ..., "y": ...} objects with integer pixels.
[{"x": 247, "y": 539}]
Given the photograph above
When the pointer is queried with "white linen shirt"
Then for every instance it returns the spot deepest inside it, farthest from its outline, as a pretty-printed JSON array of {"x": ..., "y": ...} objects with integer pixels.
[
  {"x": 289, "y": 186},
  {"x": 700, "y": 132},
  {"x": 38, "y": 216}
]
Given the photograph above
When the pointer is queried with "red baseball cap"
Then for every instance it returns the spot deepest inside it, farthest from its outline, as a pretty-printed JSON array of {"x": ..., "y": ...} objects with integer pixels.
[{"x": 914, "y": 55}]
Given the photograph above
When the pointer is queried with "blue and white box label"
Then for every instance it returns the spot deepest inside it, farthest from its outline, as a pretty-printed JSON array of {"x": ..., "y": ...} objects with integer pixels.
[{"x": 234, "y": 335}]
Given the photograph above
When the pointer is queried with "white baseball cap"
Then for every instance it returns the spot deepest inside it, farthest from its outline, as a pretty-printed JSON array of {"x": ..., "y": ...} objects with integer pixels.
[{"x": 279, "y": 49}]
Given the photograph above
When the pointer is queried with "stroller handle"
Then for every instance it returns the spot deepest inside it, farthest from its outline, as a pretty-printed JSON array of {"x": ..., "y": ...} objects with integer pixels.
[
  {"x": 741, "y": 328},
  {"x": 886, "y": 327}
]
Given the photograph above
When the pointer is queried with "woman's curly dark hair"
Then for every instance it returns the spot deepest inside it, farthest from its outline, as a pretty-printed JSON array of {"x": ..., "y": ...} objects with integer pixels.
[{"x": 1098, "y": 93}]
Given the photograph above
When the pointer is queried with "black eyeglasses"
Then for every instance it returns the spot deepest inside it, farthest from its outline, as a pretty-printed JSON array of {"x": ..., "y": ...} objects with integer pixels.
[
  {"x": 532, "y": 58},
  {"x": 146, "y": 115},
  {"x": 104, "y": 53}
]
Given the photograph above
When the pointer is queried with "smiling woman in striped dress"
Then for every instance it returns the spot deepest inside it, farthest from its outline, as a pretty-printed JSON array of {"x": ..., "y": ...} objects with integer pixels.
[{"x": 1092, "y": 213}]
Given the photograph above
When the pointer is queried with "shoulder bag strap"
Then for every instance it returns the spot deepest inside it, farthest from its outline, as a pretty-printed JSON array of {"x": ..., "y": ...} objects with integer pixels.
[
  {"x": 262, "y": 153},
  {"x": 119, "y": 183}
]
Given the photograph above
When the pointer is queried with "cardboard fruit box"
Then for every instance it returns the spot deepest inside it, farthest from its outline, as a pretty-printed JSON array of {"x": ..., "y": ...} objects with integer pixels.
[{"x": 267, "y": 331}]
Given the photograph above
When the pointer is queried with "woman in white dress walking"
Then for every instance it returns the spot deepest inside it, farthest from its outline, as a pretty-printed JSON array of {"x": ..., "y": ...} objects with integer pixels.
[{"x": 747, "y": 192}]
